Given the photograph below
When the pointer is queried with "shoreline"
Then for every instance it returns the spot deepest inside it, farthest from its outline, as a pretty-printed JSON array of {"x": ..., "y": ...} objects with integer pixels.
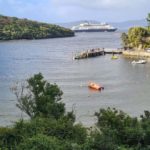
[
  {"x": 136, "y": 54},
  {"x": 30, "y": 39}
]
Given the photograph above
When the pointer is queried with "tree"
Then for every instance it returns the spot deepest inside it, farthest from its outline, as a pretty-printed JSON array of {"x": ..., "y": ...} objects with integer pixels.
[
  {"x": 42, "y": 142},
  {"x": 39, "y": 98},
  {"x": 136, "y": 37},
  {"x": 124, "y": 38},
  {"x": 148, "y": 19},
  {"x": 119, "y": 129},
  {"x": 15, "y": 28}
]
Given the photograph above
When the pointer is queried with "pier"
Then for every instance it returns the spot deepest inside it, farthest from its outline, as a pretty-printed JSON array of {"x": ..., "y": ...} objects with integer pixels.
[
  {"x": 96, "y": 52},
  {"x": 113, "y": 51},
  {"x": 89, "y": 53}
]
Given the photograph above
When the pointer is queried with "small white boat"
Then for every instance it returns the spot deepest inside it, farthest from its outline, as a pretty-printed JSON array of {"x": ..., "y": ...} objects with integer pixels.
[{"x": 142, "y": 61}]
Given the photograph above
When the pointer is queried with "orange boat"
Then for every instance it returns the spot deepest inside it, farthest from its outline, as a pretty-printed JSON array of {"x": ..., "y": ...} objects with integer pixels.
[{"x": 95, "y": 86}]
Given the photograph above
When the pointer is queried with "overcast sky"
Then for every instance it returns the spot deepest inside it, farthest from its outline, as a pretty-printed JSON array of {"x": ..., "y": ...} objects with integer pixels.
[{"x": 59, "y": 11}]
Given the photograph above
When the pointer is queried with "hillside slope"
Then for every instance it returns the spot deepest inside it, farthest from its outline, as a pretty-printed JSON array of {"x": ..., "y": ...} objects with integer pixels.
[{"x": 15, "y": 28}]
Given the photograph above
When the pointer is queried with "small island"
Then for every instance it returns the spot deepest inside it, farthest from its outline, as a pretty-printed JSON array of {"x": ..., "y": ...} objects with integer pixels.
[
  {"x": 12, "y": 28},
  {"x": 136, "y": 41}
]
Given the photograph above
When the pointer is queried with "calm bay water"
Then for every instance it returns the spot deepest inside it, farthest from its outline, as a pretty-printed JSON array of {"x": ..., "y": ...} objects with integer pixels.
[{"x": 126, "y": 85}]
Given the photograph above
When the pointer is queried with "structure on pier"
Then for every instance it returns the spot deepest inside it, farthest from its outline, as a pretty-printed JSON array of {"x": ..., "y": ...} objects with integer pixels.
[
  {"x": 89, "y": 53},
  {"x": 96, "y": 52}
]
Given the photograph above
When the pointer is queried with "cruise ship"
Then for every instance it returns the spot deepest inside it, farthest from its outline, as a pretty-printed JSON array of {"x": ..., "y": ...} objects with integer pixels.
[{"x": 90, "y": 27}]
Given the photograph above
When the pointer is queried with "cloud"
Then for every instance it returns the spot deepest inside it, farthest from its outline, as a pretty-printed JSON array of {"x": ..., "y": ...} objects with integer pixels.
[
  {"x": 69, "y": 10},
  {"x": 107, "y": 10},
  {"x": 33, "y": 9},
  {"x": 99, "y": 3},
  {"x": 111, "y": 10}
]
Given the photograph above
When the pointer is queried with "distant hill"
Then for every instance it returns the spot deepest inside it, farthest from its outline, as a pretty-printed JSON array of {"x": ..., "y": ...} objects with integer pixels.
[
  {"x": 119, "y": 25},
  {"x": 15, "y": 28},
  {"x": 129, "y": 24}
]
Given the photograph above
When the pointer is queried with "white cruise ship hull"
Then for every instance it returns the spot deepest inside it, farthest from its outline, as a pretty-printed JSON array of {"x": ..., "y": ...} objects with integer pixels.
[
  {"x": 95, "y": 30},
  {"x": 88, "y": 27}
]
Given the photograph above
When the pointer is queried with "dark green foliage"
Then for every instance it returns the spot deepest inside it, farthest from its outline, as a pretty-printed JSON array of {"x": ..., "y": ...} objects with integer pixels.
[
  {"x": 117, "y": 128},
  {"x": 52, "y": 128},
  {"x": 104, "y": 142},
  {"x": 114, "y": 119},
  {"x": 42, "y": 142},
  {"x": 44, "y": 133},
  {"x": 14, "y": 28},
  {"x": 40, "y": 98},
  {"x": 145, "y": 122},
  {"x": 9, "y": 138},
  {"x": 136, "y": 37},
  {"x": 125, "y": 41},
  {"x": 62, "y": 129},
  {"x": 148, "y": 19}
]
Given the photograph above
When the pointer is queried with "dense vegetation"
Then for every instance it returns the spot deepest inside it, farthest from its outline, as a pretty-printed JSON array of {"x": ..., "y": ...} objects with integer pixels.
[
  {"x": 137, "y": 37},
  {"x": 148, "y": 19},
  {"x": 14, "y": 28},
  {"x": 50, "y": 127}
]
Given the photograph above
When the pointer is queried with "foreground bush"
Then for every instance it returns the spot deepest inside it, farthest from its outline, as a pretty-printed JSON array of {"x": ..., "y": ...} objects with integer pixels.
[
  {"x": 42, "y": 142},
  {"x": 55, "y": 129},
  {"x": 117, "y": 129}
]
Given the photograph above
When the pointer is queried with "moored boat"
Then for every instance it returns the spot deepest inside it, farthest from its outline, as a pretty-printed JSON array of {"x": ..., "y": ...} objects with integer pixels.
[
  {"x": 114, "y": 57},
  {"x": 142, "y": 61},
  {"x": 95, "y": 86}
]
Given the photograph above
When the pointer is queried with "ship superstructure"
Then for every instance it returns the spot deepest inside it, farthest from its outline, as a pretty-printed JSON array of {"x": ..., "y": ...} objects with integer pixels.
[{"x": 91, "y": 27}]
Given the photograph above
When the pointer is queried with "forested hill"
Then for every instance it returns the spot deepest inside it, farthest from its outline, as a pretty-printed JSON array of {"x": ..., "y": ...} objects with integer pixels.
[{"x": 15, "y": 28}]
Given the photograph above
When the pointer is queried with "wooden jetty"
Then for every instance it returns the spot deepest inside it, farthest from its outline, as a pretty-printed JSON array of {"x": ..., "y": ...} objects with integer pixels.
[
  {"x": 89, "y": 53},
  {"x": 113, "y": 51},
  {"x": 96, "y": 52}
]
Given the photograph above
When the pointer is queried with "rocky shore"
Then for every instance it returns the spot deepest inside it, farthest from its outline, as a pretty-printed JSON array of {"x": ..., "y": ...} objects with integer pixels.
[{"x": 136, "y": 54}]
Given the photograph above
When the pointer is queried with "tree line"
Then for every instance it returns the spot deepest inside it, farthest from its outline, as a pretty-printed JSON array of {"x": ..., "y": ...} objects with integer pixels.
[
  {"x": 137, "y": 37},
  {"x": 14, "y": 28},
  {"x": 50, "y": 127}
]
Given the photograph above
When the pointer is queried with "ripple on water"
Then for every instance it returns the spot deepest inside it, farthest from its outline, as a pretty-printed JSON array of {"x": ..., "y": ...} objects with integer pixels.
[{"x": 126, "y": 86}]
